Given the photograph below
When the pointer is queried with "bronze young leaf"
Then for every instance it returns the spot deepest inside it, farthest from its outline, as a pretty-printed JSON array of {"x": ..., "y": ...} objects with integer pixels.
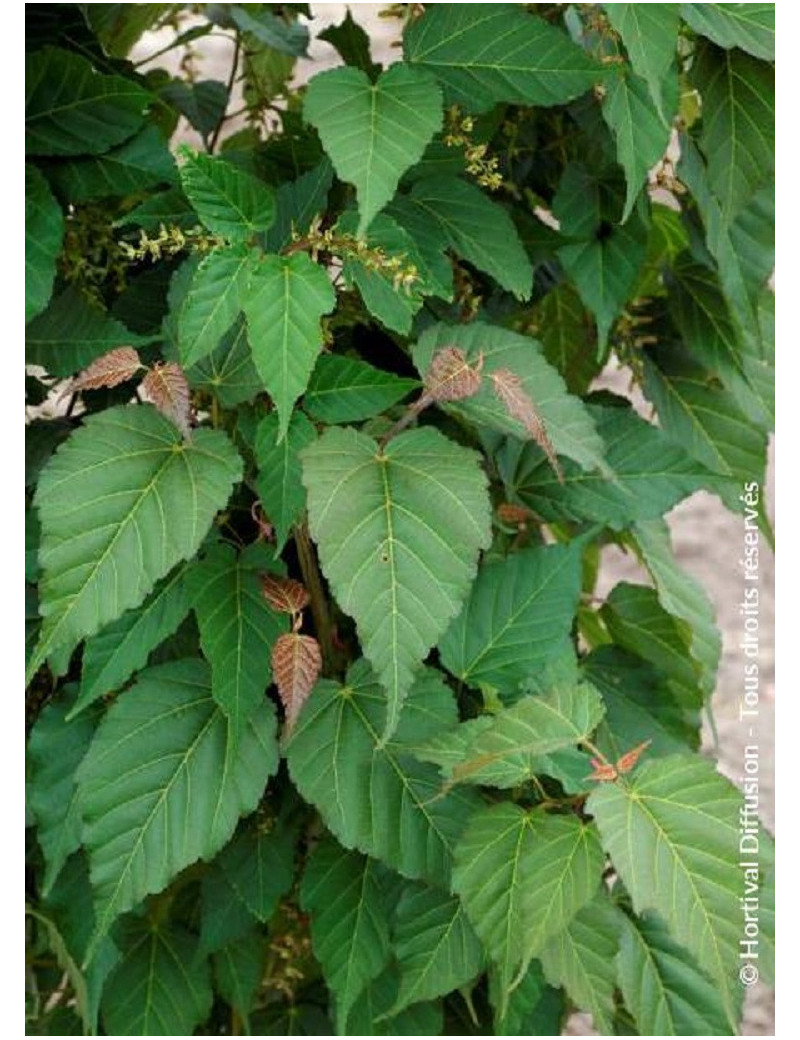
[
  {"x": 284, "y": 594},
  {"x": 509, "y": 388},
  {"x": 451, "y": 377},
  {"x": 166, "y": 387},
  {"x": 111, "y": 369},
  {"x": 296, "y": 664}
]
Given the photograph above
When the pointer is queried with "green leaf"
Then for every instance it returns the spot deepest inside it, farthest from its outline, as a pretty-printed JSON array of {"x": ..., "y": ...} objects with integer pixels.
[
  {"x": 352, "y": 43},
  {"x": 641, "y": 131},
  {"x": 228, "y": 371},
  {"x": 42, "y": 437},
  {"x": 399, "y": 529},
  {"x": 386, "y": 296},
  {"x": 759, "y": 369},
  {"x": 738, "y": 129},
  {"x": 728, "y": 249},
  {"x": 485, "y": 53},
  {"x": 203, "y": 103},
  {"x": 119, "y": 26},
  {"x": 213, "y": 302},
  {"x": 71, "y": 333},
  {"x": 672, "y": 831},
  {"x": 44, "y": 230},
  {"x": 70, "y": 109},
  {"x": 164, "y": 207},
  {"x": 285, "y": 301},
  {"x": 604, "y": 258},
  {"x": 373, "y": 132},
  {"x": 646, "y": 474},
  {"x": 681, "y": 595},
  {"x": 238, "y": 970},
  {"x": 436, "y": 947},
  {"x": 581, "y": 959},
  {"x": 345, "y": 390},
  {"x": 237, "y": 627},
  {"x": 569, "y": 425},
  {"x": 228, "y": 200},
  {"x": 752, "y": 236},
  {"x": 56, "y": 748},
  {"x": 375, "y": 796},
  {"x": 532, "y": 1009},
  {"x": 112, "y": 656},
  {"x": 286, "y": 37},
  {"x": 668, "y": 237},
  {"x": 31, "y": 621},
  {"x": 224, "y": 918},
  {"x": 650, "y": 35},
  {"x": 158, "y": 988},
  {"x": 664, "y": 988},
  {"x": 70, "y": 902},
  {"x": 522, "y": 876},
  {"x": 748, "y": 26},
  {"x": 698, "y": 309},
  {"x": 266, "y": 74},
  {"x": 31, "y": 546},
  {"x": 564, "y": 327},
  {"x": 639, "y": 705},
  {"x": 431, "y": 242},
  {"x": 278, "y": 481},
  {"x": 637, "y": 622},
  {"x": 372, "y": 1016},
  {"x": 72, "y": 974},
  {"x": 507, "y": 749},
  {"x": 517, "y": 612},
  {"x": 164, "y": 783},
  {"x": 259, "y": 865},
  {"x": 298, "y": 1019},
  {"x": 120, "y": 504},
  {"x": 706, "y": 420},
  {"x": 465, "y": 220},
  {"x": 343, "y": 891},
  {"x": 297, "y": 203},
  {"x": 141, "y": 162}
]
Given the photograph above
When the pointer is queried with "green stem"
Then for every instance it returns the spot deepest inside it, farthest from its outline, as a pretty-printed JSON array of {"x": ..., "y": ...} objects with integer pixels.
[
  {"x": 598, "y": 754},
  {"x": 212, "y": 144},
  {"x": 312, "y": 579},
  {"x": 178, "y": 42},
  {"x": 413, "y": 411}
]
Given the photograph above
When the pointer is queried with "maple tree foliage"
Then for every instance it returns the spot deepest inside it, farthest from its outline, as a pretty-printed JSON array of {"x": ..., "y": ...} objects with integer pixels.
[{"x": 330, "y": 730}]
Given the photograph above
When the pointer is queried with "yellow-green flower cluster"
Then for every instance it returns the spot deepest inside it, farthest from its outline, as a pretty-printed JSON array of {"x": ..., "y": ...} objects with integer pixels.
[
  {"x": 170, "y": 241},
  {"x": 403, "y": 272},
  {"x": 480, "y": 165}
]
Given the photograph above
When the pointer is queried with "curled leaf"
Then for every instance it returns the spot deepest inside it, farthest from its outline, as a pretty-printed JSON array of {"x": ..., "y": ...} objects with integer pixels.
[
  {"x": 111, "y": 369},
  {"x": 265, "y": 528},
  {"x": 627, "y": 761},
  {"x": 284, "y": 594},
  {"x": 510, "y": 390},
  {"x": 296, "y": 663},
  {"x": 603, "y": 771},
  {"x": 509, "y": 513},
  {"x": 451, "y": 377},
  {"x": 166, "y": 387}
]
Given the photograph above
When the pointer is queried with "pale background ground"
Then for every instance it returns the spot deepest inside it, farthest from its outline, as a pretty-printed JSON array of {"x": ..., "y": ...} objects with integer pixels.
[{"x": 706, "y": 537}]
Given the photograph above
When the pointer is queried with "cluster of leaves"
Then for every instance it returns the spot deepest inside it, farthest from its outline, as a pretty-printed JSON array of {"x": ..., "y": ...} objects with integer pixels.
[{"x": 328, "y": 731}]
